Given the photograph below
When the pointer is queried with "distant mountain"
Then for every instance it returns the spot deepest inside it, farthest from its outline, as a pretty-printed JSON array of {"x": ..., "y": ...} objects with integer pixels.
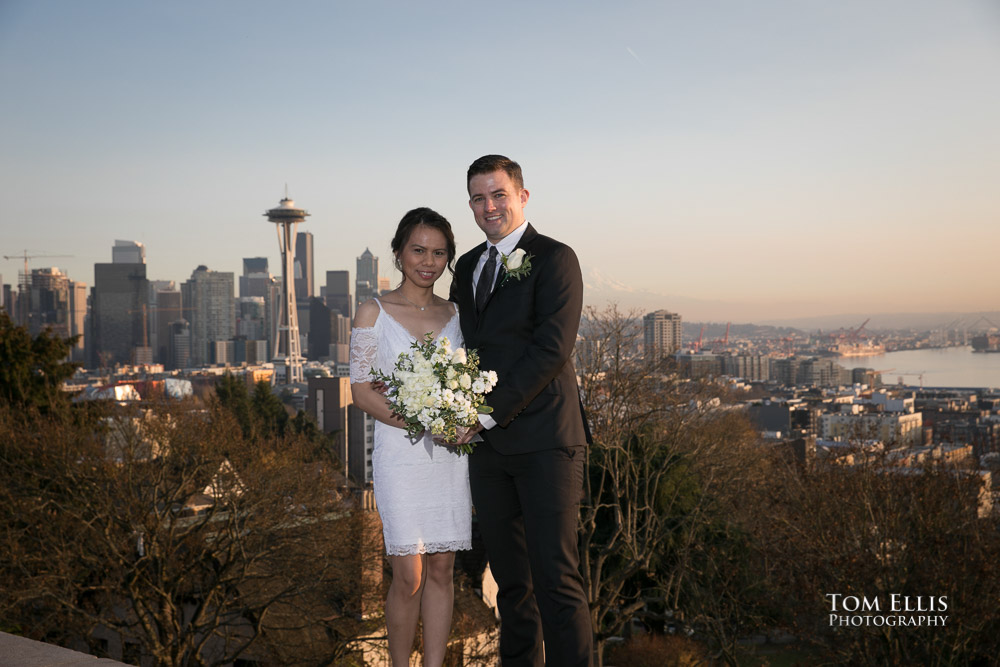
[{"x": 600, "y": 290}]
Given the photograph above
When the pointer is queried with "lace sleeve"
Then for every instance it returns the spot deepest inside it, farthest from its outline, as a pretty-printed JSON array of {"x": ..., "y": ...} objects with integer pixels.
[{"x": 363, "y": 347}]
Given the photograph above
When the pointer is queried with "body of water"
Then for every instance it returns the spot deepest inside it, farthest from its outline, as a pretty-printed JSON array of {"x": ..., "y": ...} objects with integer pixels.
[{"x": 945, "y": 367}]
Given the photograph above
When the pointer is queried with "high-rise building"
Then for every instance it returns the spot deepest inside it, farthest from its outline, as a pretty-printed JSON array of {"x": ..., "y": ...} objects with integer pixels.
[
  {"x": 329, "y": 335},
  {"x": 78, "y": 320},
  {"x": 168, "y": 309},
  {"x": 180, "y": 344},
  {"x": 366, "y": 277},
  {"x": 10, "y": 302},
  {"x": 304, "y": 271},
  {"x": 661, "y": 334},
  {"x": 117, "y": 301},
  {"x": 210, "y": 308},
  {"x": 255, "y": 278},
  {"x": 251, "y": 317},
  {"x": 128, "y": 252},
  {"x": 329, "y": 401},
  {"x": 338, "y": 292},
  {"x": 49, "y": 302}
]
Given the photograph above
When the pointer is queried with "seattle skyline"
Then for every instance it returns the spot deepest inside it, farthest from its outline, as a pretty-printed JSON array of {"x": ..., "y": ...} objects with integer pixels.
[{"x": 746, "y": 163}]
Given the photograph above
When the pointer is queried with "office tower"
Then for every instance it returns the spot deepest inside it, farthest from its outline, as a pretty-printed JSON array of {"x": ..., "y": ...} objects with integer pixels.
[
  {"x": 661, "y": 334},
  {"x": 255, "y": 278},
  {"x": 128, "y": 252},
  {"x": 288, "y": 353},
  {"x": 251, "y": 317},
  {"x": 78, "y": 320},
  {"x": 304, "y": 271},
  {"x": 384, "y": 285},
  {"x": 49, "y": 302},
  {"x": 329, "y": 401},
  {"x": 168, "y": 309},
  {"x": 117, "y": 301},
  {"x": 366, "y": 277},
  {"x": 330, "y": 335},
  {"x": 10, "y": 302},
  {"x": 209, "y": 307},
  {"x": 338, "y": 292},
  {"x": 180, "y": 344}
]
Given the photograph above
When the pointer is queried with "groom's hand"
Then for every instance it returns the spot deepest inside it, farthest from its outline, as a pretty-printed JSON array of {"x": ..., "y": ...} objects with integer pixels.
[{"x": 464, "y": 436}]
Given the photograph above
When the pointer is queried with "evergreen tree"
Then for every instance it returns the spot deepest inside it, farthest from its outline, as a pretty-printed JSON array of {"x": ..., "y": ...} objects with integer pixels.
[{"x": 33, "y": 369}]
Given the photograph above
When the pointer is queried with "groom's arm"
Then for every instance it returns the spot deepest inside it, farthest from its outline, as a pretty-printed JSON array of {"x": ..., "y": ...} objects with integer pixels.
[{"x": 554, "y": 326}]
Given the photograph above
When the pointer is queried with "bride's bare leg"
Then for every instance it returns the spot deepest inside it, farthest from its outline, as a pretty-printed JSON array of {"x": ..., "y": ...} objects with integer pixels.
[
  {"x": 436, "y": 606},
  {"x": 402, "y": 606}
]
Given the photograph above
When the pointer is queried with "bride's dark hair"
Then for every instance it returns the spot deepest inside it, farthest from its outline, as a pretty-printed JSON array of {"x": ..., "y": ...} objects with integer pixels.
[{"x": 428, "y": 218}]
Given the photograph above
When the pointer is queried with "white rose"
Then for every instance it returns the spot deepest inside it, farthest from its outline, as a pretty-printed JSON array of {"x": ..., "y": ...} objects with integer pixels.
[
  {"x": 458, "y": 356},
  {"x": 515, "y": 259},
  {"x": 465, "y": 381}
]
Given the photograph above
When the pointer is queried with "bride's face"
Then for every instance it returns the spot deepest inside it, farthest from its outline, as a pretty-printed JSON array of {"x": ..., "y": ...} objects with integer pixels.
[{"x": 424, "y": 257}]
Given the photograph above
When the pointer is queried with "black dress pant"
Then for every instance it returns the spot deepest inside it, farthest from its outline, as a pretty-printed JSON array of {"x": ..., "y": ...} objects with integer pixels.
[{"x": 527, "y": 506}]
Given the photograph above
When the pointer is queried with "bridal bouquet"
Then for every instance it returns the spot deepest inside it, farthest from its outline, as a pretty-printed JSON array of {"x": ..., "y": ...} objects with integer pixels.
[{"x": 435, "y": 388}]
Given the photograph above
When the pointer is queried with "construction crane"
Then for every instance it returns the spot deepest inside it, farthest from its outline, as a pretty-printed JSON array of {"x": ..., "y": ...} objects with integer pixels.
[{"x": 24, "y": 285}]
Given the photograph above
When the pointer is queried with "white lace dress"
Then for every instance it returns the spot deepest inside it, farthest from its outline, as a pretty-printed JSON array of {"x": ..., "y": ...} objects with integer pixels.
[{"x": 421, "y": 488}]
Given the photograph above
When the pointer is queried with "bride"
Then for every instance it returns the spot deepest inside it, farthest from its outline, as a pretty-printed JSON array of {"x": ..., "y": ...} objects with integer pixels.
[{"x": 421, "y": 487}]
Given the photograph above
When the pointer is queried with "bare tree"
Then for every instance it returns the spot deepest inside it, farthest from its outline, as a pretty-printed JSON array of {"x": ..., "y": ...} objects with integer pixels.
[
  {"x": 171, "y": 531},
  {"x": 664, "y": 449}
]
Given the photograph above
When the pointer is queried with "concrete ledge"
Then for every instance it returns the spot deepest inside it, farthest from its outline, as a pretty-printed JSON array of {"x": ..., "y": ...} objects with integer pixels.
[{"x": 20, "y": 652}]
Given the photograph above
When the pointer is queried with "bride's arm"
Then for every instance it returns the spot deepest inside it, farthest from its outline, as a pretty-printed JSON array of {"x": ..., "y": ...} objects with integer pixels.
[{"x": 363, "y": 348}]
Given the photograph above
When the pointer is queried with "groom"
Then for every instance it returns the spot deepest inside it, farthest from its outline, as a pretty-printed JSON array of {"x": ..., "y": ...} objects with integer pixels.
[{"x": 527, "y": 475}]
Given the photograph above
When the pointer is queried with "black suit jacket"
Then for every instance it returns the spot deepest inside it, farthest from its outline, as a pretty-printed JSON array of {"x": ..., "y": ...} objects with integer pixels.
[{"x": 527, "y": 333}]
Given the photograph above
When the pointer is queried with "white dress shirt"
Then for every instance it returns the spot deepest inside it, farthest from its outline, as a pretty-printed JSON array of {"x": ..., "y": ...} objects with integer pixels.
[{"x": 505, "y": 247}]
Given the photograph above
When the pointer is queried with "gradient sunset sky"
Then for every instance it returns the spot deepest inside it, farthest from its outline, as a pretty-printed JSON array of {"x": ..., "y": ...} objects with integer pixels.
[{"x": 745, "y": 160}]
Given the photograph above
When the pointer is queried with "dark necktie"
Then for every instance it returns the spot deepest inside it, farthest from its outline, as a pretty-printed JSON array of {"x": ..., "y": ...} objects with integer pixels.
[{"x": 485, "y": 284}]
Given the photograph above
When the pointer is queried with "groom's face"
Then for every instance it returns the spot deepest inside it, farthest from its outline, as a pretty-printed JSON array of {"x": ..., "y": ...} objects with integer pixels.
[{"x": 497, "y": 204}]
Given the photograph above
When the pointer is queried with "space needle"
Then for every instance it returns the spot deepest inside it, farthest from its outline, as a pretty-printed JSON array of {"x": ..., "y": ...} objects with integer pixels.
[{"x": 289, "y": 352}]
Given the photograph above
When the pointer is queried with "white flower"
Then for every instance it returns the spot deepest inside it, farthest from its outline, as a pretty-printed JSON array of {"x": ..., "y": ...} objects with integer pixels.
[
  {"x": 515, "y": 259},
  {"x": 478, "y": 387},
  {"x": 465, "y": 381},
  {"x": 458, "y": 356}
]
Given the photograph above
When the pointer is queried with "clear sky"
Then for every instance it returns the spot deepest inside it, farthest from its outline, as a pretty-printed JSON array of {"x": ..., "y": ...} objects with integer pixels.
[{"x": 745, "y": 160}]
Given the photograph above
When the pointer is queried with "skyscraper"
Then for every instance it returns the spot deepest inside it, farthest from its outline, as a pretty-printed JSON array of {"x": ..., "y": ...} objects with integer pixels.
[
  {"x": 168, "y": 309},
  {"x": 210, "y": 308},
  {"x": 661, "y": 334},
  {"x": 78, "y": 320},
  {"x": 49, "y": 302},
  {"x": 338, "y": 292},
  {"x": 304, "y": 271},
  {"x": 366, "y": 277},
  {"x": 128, "y": 252},
  {"x": 117, "y": 300},
  {"x": 255, "y": 278}
]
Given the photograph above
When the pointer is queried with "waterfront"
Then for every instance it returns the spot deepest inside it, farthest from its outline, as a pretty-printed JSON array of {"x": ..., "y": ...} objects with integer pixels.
[{"x": 942, "y": 367}]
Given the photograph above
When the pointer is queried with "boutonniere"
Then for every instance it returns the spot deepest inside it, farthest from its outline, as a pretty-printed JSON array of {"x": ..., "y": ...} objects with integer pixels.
[{"x": 517, "y": 264}]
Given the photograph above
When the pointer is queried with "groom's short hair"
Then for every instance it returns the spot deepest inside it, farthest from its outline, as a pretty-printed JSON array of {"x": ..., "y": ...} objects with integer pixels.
[{"x": 487, "y": 164}]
